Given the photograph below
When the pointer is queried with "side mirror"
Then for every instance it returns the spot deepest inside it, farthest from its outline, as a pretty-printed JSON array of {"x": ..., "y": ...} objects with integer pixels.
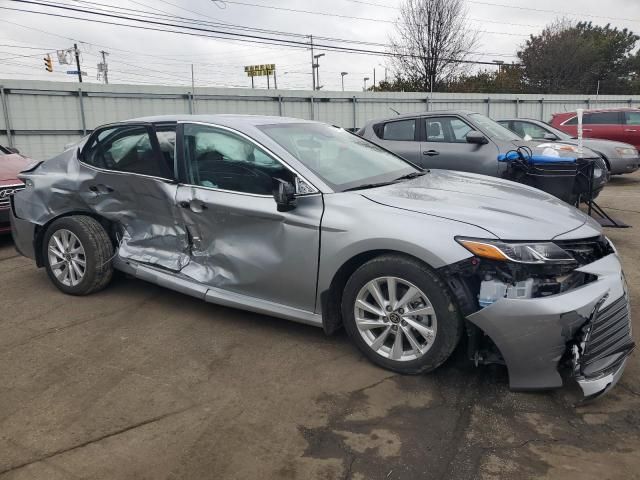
[
  {"x": 13, "y": 150},
  {"x": 552, "y": 137},
  {"x": 284, "y": 194},
  {"x": 476, "y": 137}
]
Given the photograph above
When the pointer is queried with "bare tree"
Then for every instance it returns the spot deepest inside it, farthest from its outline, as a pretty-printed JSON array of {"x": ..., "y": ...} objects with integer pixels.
[{"x": 431, "y": 41}]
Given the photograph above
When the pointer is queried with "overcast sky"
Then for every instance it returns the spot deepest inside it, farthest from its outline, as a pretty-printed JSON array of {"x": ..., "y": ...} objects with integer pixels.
[{"x": 149, "y": 57}]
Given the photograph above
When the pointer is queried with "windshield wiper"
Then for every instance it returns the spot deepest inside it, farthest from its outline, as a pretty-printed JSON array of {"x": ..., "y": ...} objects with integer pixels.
[
  {"x": 367, "y": 185},
  {"x": 409, "y": 176},
  {"x": 382, "y": 184}
]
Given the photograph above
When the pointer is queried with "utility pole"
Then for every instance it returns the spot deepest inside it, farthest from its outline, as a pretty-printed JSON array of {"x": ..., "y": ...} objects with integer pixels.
[
  {"x": 75, "y": 48},
  {"x": 374, "y": 78},
  {"x": 313, "y": 66},
  {"x": 105, "y": 68},
  {"x": 317, "y": 67},
  {"x": 342, "y": 74},
  {"x": 193, "y": 88},
  {"x": 275, "y": 80}
]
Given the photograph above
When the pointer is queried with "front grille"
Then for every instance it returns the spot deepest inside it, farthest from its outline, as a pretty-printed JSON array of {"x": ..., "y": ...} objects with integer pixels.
[
  {"x": 588, "y": 250},
  {"x": 6, "y": 191},
  {"x": 606, "y": 339}
]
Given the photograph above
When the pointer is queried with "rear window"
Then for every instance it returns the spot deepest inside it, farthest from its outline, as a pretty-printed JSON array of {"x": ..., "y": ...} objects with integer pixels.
[
  {"x": 401, "y": 130},
  {"x": 601, "y": 118}
]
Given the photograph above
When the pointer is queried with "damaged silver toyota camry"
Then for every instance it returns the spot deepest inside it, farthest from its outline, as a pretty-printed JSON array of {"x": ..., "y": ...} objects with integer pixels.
[{"x": 307, "y": 222}]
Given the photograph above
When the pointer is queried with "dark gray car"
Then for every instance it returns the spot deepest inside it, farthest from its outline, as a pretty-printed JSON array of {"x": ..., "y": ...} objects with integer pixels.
[
  {"x": 620, "y": 157},
  {"x": 460, "y": 140},
  {"x": 308, "y": 222}
]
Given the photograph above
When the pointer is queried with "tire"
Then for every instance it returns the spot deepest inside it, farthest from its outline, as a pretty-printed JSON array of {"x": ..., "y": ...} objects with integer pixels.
[
  {"x": 442, "y": 327},
  {"x": 82, "y": 239}
]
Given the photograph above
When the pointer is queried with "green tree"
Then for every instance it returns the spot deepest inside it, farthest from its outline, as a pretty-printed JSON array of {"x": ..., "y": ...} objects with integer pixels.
[
  {"x": 507, "y": 79},
  {"x": 576, "y": 58}
]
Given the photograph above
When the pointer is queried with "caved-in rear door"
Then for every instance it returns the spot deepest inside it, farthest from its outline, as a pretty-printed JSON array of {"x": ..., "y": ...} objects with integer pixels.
[{"x": 127, "y": 176}]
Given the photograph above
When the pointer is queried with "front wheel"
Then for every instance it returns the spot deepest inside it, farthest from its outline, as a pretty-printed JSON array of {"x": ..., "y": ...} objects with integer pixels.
[
  {"x": 77, "y": 253},
  {"x": 401, "y": 315}
]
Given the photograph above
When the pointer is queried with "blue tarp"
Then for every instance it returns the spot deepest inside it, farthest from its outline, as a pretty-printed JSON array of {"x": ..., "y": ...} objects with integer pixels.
[{"x": 535, "y": 159}]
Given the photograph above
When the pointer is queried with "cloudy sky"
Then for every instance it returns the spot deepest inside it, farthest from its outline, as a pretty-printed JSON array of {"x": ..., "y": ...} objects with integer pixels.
[{"x": 152, "y": 57}]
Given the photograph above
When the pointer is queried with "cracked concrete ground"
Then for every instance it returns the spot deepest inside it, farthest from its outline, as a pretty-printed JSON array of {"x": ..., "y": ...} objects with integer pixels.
[{"x": 141, "y": 382}]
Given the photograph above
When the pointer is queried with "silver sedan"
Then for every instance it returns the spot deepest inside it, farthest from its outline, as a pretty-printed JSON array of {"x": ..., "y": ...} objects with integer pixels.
[
  {"x": 307, "y": 222},
  {"x": 620, "y": 157}
]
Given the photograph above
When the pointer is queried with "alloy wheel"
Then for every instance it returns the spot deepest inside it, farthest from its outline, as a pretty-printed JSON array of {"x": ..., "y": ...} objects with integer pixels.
[
  {"x": 67, "y": 258},
  {"x": 395, "y": 318}
]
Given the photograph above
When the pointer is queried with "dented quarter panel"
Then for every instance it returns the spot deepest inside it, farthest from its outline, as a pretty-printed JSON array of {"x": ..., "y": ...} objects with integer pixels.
[
  {"x": 532, "y": 334},
  {"x": 150, "y": 229}
]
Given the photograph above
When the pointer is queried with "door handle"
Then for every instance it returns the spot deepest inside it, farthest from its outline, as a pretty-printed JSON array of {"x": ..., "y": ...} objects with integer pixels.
[
  {"x": 100, "y": 189},
  {"x": 431, "y": 153},
  {"x": 194, "y": 205}
]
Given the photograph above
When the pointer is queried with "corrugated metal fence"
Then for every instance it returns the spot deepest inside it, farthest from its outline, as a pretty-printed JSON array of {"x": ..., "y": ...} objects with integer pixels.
[{"x": 39, "y": 118}]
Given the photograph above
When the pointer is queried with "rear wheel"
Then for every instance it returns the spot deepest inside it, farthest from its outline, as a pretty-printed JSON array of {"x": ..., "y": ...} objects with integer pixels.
[
  {"x": 77, "y": 252},
  {"x": 400, "y": 314}
]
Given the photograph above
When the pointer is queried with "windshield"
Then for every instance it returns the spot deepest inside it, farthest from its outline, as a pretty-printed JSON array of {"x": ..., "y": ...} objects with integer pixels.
[
  {"x": 493, "y": 128},
  {"x": 341, "y": 159},
  {"x": 558, "y": 133},
  {"x": 4, "y": 151}
]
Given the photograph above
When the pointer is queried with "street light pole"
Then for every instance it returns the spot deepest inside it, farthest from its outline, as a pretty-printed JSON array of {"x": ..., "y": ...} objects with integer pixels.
[
  {"x": 317, "y": 67},
  {"x": 342, "y": 74},
  {"x": 364, "y": 89}
]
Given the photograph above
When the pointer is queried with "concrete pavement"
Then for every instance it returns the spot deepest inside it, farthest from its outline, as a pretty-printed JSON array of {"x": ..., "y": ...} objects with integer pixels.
[{"x": 141, "y": 382}]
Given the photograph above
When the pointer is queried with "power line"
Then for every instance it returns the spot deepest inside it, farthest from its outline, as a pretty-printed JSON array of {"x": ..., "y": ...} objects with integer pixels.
[
  {"x": 557, "y": 12},
  {"x": 351, "y": 17},
  {"x": 201, "y": 31}
]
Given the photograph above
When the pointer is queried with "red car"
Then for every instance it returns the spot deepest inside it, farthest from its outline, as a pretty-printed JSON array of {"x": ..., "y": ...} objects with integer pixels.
[
  {"x": 11, "y": 163},
  {"x": 620, "y": 124}
]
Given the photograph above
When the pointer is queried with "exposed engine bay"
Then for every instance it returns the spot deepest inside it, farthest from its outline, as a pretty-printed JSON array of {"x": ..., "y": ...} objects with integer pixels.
[{"x": 480, "y": 282}]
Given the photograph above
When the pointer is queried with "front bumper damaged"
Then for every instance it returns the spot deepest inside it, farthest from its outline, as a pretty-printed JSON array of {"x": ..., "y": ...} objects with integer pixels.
[{"x": 591, "y": 323}]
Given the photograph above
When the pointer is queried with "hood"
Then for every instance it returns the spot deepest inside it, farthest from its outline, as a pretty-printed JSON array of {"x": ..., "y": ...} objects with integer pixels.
[
  {"x": 11, "y": 165},
  {"x": 509, "y": 210},
  {"x": 534, "y": 145},
  {"x": 596, "y": 143}
]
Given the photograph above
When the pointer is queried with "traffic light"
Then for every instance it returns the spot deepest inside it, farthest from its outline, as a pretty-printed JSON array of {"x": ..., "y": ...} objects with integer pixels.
[{"x": 48, "y": 64}]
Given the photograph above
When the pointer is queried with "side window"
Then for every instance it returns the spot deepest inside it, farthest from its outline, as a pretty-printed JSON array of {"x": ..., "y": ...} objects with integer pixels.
[
  {"x": 446, "y": 129},
  {"x": 602, "y": 118},
  {"x": 216, "y": 158},
  {"x": 531, "y": 129},
  {"x": 632, "y": 118},
  {"x": 400, "y": 130},
  {"x": 126, "y": 149},
  {"x": 166, "y": 135}
]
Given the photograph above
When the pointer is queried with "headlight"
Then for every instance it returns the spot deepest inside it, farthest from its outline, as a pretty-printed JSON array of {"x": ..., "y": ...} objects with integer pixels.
[
  {"x": 627, "y": 151},
  {"x": 519, "y": 252}
]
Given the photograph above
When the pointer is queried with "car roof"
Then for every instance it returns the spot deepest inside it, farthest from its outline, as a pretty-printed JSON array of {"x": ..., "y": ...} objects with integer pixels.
[
  {"x": 419, "y": 114},
  {"x": 597, "y": 110},
  {"x": 221, "y": 119}
]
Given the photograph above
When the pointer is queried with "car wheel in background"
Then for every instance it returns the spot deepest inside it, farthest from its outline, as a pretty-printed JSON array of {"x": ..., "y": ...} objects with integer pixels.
[
  {"x": 77, "y": 252},
  {"x": 401, "y": 315}
]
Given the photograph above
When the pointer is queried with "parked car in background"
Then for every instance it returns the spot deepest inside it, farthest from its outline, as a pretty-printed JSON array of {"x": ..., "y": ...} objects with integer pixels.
[
  {"x": 11, "y": 163},
  {"x": 308, "y": 222},
  {"x": 620, "y": 124},
  {"x": 620, "y": 157},
  {"x": 461, "y": 140}
]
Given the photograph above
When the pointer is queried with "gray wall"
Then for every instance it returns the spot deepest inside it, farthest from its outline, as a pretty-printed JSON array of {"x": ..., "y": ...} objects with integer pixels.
[{"x": 44, "y": 116}]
